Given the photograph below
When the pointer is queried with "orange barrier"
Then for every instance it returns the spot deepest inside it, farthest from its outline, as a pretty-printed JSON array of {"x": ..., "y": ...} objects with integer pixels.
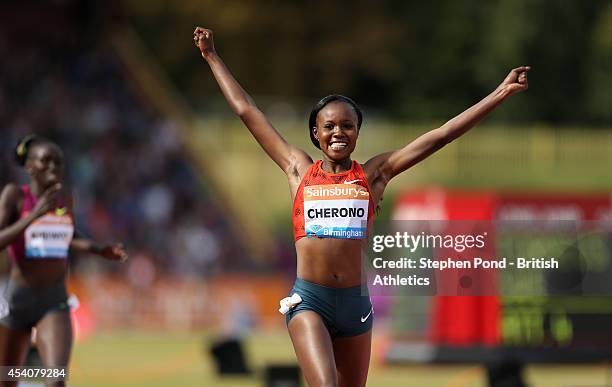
[{"x": 229, "y": 303}]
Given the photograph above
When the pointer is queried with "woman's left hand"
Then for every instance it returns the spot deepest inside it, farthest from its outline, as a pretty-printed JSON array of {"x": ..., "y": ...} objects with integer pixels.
[
  {"x": 114, "y": 252},
  {"x": 516, "y": 81}
]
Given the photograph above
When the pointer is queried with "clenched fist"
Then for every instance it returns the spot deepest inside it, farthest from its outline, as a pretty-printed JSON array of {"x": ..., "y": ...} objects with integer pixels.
[
  {"x": 203, "y": 39},
  {"x": 516, "y": 80}
]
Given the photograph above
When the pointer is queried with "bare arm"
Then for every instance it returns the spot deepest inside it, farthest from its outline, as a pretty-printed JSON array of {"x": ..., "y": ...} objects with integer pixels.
[
  {"x": 80, "y": 243},
  {"x": 8, "y": 211},
  {"x": 390, "y": 164},
  {"x": 114, "y": 252},
  {"x": 83, "y": 245},
  {"x": 288, "y": 157}
]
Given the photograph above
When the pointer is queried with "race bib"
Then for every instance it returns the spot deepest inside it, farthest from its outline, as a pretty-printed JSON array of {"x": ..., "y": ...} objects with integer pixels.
[
  {"x": 49, "y": 236},
  {"x": 336, "y": 211}
]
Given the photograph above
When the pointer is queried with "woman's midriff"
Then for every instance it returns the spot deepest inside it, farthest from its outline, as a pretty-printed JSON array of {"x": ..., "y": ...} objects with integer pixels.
[
  {"x": 39, "y": 274},
  {"x": 330, "y": 262}
]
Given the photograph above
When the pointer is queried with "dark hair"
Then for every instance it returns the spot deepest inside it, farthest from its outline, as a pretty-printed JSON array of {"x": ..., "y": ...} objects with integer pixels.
[
  {"x": 312, "y": 121},
  {"x": 24, "y": 145}
]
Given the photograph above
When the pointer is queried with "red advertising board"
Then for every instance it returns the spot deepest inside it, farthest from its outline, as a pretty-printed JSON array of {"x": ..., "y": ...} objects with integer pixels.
[{"x": 468, "y": 320}]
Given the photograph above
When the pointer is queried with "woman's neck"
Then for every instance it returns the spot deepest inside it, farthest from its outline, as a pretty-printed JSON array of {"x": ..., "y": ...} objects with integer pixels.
[{"x": 333, "y": 166}]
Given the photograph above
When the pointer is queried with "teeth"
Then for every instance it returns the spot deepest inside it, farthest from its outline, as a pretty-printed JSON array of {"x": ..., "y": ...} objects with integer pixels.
[{"x": 338, "y": 146}]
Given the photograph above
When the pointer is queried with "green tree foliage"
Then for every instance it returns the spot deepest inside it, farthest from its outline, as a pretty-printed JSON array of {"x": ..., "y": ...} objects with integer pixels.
[{"x": 413, "y": 60}]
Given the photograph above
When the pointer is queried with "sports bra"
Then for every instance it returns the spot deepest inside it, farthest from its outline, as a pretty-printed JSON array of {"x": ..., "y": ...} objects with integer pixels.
[
  {"x": 48, "y": 236},
  {"x": 333, "y": 205}
]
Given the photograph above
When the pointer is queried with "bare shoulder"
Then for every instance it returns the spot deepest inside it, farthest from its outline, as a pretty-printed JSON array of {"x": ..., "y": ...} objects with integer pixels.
[
  {"x": 11, "y": 193},
  {"x": 9, "y": 203}
]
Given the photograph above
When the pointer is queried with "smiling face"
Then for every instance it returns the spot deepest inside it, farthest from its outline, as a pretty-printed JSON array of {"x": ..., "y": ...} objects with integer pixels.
[
  {"x": 337, "y": 130},
  {"x": 45, "y": 164}
]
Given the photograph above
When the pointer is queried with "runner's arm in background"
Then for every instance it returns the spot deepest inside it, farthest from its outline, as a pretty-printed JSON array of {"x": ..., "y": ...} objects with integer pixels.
[{"x": 8, "y": 211}]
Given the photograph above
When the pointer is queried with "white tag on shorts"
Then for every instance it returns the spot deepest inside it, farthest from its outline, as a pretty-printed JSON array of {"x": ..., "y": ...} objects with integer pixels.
[
  {"x": 4, "y": 308},
  {"x": 288, "y": 303}
]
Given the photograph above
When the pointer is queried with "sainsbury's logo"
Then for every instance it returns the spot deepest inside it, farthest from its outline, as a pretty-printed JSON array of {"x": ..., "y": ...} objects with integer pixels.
[{"x": 337, "y": 191}]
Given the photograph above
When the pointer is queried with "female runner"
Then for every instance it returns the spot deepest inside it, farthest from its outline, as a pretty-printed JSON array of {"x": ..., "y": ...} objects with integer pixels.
[
  {"x": 333, "y": 206},
  {"x": 37, "y": 225}
]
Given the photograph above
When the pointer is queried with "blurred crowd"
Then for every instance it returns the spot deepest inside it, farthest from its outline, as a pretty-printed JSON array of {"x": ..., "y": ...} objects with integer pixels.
[{"x": 125, "y": 163}]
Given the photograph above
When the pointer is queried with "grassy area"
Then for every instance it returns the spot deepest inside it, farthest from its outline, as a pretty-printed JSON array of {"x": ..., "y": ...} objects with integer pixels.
[{"x": 181, "y": 359}]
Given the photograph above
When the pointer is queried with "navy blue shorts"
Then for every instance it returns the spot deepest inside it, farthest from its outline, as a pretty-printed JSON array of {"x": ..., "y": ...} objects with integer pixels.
[
  {"x": 345, "y": 311},
  {"x": 27, "y": 306}
]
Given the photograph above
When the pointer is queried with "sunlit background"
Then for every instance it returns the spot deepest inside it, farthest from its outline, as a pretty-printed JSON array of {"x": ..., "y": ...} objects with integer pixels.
[{"x": 157, "y": 161}]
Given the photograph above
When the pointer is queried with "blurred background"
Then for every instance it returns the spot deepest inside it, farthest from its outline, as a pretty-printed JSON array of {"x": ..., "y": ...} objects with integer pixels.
[{"x": 157, "y": 160}]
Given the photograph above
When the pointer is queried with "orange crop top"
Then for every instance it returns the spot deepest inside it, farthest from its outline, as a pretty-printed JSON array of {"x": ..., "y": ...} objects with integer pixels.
[{"x": 333, "y": 205}]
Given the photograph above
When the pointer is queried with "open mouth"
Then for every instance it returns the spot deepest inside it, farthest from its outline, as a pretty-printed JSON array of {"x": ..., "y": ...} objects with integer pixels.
[{"x": 338, "y": 145}]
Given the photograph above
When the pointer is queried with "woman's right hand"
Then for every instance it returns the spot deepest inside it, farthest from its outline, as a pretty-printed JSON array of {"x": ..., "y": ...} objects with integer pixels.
[
  {"x": 47, "y": 201},
  {"x": 203, "y": 39},
  {"x": 285, "y": 155}
]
